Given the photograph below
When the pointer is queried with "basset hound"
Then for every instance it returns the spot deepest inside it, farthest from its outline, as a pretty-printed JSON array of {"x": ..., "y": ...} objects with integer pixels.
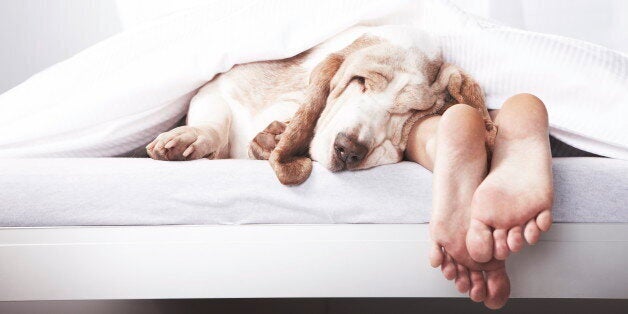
[{"x": 348, "y": 103}]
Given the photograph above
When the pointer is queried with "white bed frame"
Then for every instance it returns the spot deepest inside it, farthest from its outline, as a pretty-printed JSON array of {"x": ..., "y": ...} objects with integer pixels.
[{"x": 285, "y": 261}]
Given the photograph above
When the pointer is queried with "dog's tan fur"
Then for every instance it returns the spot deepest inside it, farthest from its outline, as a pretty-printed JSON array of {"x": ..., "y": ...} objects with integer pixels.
[{"x": 261, "y": 83}]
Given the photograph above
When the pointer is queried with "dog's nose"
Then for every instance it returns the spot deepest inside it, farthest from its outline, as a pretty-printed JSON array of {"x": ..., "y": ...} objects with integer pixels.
[{"x": 349, "y": 150}]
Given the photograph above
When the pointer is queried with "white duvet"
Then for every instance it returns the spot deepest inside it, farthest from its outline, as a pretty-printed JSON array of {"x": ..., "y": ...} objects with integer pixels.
[{"x": 119, "y": 94}]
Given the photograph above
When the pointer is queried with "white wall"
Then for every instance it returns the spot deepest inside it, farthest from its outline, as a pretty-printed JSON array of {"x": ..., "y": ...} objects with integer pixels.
[
  {"x": 35, "y": 34},
  {"x": 134, "y": 12},
  {"x": 604, "y": 22}
]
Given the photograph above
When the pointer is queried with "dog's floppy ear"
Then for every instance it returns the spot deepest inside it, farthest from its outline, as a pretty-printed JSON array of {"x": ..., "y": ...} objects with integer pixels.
[
  {"x": 289, "y": 158},
  {"x": 457, "y": 87},
  {"x": 450, "y": 86}
]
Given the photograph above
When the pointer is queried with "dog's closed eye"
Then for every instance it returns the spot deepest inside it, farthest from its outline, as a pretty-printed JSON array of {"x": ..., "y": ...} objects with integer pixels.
[{"x": 360, "y": 80}]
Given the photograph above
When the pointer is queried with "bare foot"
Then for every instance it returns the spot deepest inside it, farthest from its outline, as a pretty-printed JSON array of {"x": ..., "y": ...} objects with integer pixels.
[
  {"x": 184, "y": 143},
  {"x": 460, "y": 164},
  {"x": 514, "y": 202}
]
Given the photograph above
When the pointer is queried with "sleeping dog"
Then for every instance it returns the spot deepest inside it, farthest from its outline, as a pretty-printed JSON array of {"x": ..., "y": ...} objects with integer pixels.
[{"x": 348, "y": 104}]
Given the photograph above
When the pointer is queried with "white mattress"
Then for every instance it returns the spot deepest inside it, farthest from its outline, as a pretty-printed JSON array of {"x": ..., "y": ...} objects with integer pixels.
[{"x": 118, "y": 191}]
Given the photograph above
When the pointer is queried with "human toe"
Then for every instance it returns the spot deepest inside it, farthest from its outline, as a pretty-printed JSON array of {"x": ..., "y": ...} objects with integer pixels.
[
  {"x": 479, "y": 241},
  {"x": 515, "y": 239},
  {"x": 532, "y": 233},
  {"x": 448, "y": 268},
  {"x": 463, "y": 283},
  {"x": 500, "y": 245},
  {"x": 436, "y": 255},
  {"x": 497, "y": 288},
  {"x": 477, "y": 293},
  {"x": 544, "y": 220}
]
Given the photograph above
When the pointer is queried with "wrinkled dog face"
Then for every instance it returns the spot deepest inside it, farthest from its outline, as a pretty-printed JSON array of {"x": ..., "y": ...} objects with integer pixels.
[{"x": 374, "y": 92}]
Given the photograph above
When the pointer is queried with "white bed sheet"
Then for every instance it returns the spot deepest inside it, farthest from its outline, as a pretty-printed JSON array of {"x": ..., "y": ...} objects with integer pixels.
[{"x": 119, "y": 191}]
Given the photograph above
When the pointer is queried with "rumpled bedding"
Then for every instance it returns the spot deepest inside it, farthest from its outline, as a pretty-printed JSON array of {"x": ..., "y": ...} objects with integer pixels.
[{"x": 119, "y": 94}]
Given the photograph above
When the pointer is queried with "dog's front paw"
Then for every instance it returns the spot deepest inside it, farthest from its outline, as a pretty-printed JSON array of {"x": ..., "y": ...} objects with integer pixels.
[
  {"x": 265, "y": 141},
  {"x": 183, "y": 143}
]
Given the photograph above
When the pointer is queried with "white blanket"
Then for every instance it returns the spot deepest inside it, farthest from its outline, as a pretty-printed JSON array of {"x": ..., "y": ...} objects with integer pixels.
[{"x": 119, "y": 94}]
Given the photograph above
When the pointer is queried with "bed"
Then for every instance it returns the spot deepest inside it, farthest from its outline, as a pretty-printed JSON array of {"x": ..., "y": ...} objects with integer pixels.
[{"x": 134, "y": 228}]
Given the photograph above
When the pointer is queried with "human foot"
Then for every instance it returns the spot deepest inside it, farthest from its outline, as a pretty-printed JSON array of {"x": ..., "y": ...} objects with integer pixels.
[
  {"x": 514, "y": 202},
  {"x": 459, "y": 167}
]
